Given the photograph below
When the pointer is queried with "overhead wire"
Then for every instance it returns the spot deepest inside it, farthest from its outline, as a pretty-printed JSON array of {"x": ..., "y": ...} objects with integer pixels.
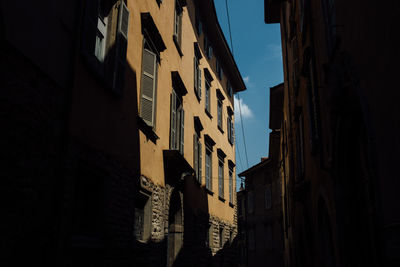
[{"x": 240, "y": 106}]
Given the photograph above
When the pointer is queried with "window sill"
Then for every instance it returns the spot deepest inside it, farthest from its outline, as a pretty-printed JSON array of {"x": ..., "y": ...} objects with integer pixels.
[
  {"x": 220, "y": 129},
  {"x": 147, "y": 130},
  {"x": 177, "y": 45},
  {"x": 209, "y": 191},
  {"x": 221, "y": 198},
  {"x": 208, "y": 114}
]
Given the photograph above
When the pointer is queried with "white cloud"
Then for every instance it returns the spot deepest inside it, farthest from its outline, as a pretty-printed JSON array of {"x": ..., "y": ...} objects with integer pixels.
[
  {"x": 246, "y": 111},
  {"x": 247, "y": 81},
  {"x": 275, "y": 51}
]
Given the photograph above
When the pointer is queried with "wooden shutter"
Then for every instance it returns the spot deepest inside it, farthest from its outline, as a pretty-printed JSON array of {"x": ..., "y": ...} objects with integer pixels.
[
  {"x": 182, "y": 131},
  {"x": 180, "y": 27},
  {"x": 149, "y": 66},
  {"x": 199, "y": 80},
  {"x": 219, "y": 113},
  {"x": 123, "y": 20},
  {"x": 208, "y": 170},
  {"x": 220, "y": 180},
  {"x": 195, "y": 73},
  {"x": 232, "y": 134},
  {"x": 173, "y": 121},
  {"x": 200, "y": 159},
  {"x": 230, "y": 186},
  {"x": 195, "y": 155},
  {"x": 228, "y": 128}
]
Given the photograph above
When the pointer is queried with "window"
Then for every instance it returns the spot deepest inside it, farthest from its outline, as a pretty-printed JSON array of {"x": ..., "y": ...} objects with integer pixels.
[
  {"x": 221, "y": 178},
  {"x": 149, "y": 84},
  {"x": 197, "y": 152},
  {"x": 250, "y": 201},
  {"x": 208, "y": 167},
  {"x": 98, "y": 37},
  {"x": 207, "y": 102},
  {"x": 207, "y": 47},
  {"x": 267, "y": 197},
  {"x": 197, "y": 77},
  {"x": 209, "y": 235},
  {"x": 230, "y": 126},
  {"x": 142, "y": 217},
  {"x": 221, "y": 236},
  {"x": 209, "y": 143},
  {"x": 219, "y": 69},
  {"x": 231, "y": 185},
  {"x": 219, "y": 113},
  {"x": 177, "y": 123},
  {"x": 178, "y": 26},
  {"x": 101, "y": 35}
]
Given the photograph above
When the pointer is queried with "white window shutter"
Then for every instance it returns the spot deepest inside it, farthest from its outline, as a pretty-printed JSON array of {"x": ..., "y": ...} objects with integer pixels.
[
  {"x": 182, "y": 132},
  {"x": 173, "y": 121},
  {"x": 199, "y": 81},
  {"x": 123, "y": 20},
  {"x": 199, "y": 153},
  {"x": 148, "y": 86},
  {"x": 195, "y": 73},
  {"x": 195, "y": 155}
]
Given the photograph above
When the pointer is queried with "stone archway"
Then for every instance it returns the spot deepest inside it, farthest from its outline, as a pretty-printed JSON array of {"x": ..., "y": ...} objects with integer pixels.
[{"x": 175, "y": 228}]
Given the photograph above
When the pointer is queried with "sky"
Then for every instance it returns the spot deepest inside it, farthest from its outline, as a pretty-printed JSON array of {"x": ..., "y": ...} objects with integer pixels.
[{"x": 258, "y": 55}]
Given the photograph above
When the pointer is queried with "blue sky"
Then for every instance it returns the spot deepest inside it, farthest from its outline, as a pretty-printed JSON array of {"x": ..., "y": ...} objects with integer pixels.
[{"x": 257, "y": 51}]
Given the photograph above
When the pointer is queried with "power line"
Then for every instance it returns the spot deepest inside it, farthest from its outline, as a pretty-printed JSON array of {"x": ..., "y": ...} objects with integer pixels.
[
  {"x": 229, "y": 24},
  {"x": 241, "y": 124},
  {"x": 240, "y": 106}
]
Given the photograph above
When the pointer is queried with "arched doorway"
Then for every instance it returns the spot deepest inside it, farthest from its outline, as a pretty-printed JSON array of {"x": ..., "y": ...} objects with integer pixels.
[{"x": 175, "y": 228}]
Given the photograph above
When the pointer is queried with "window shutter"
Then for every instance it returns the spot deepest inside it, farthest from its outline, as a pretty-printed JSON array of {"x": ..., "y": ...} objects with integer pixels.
[
  {"x": 180, "y": 27},
  {"x": 220, "y": 180},
  {"x": 199, "y": 81},
  {"x": 173, "y": 121},
  {"x": 208, "y": 170},
  {"x": 200, "y": 160},
  {"x": 195, "y": 155},
  {"x": 207, "y": 97},
  {"x": 148, "y": 86},
  {"x": 232, "y": 133},
  {"x": 195, "y": 73},
  {"x": 182, "y": 131},
  {"x": 88, "y": 37},
  {"x": 123, "y": 20},
  {"x": 219, "y": 114},
  {"x": 230, "y": 187},
  {"x": 121, "y": 49},
  {"x": 228, "y": 128}
]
